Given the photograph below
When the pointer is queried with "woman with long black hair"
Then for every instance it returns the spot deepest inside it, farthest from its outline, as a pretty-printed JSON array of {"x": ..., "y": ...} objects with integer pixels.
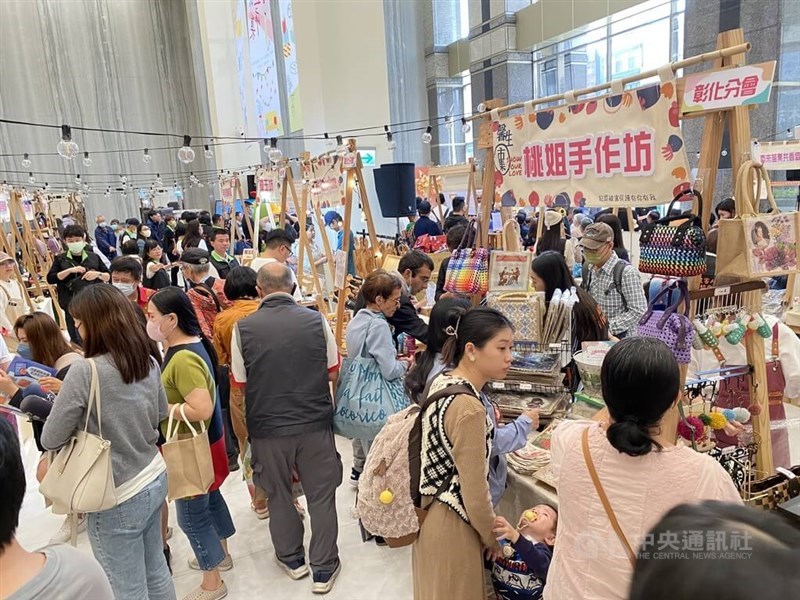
[
  {"x": 550, "y": 273},
  {"x": 189, "y": 376},
  {"x": 429, "y": 363}
]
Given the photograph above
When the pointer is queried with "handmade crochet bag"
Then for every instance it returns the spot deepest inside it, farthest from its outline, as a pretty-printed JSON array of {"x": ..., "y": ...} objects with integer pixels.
[
  {"x": 468, "y": 269},
  {"x": 669, "y": 326},
  {"x": 674, "y": 250}
]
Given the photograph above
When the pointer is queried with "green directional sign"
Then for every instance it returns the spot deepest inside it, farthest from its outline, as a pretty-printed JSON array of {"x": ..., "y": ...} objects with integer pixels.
[{"x": 369, "y": 157}]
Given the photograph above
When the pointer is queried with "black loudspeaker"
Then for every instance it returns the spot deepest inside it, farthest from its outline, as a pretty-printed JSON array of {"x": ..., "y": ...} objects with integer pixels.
[{"x": 394, "y": 183}]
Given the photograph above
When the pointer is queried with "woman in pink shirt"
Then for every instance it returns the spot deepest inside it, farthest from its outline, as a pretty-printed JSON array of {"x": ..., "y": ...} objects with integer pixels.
[{"x": 639, "y": 470}]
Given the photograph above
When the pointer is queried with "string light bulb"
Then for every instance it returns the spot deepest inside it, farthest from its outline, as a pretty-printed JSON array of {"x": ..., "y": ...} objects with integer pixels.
[
  {"x": 274, "y": 152},
  {"x": 123, "y": 180},
  {"x": 465, "y": 125},
  {"x": 146, "y": 157},
  {"x": 158, "y": 179},
  {"x": 66, "y": 148},
  {"x": 87, "y": 161},
  {"x": 31, "y": 178},
  {"x": 77, "y": 179},
  {"x": 185, "y": 153},
  {"x": 208, "y": 153},
  {"x": 427, "y": 137},
  {"x": 341, "y": 149},
  {"x": 390, "y": 143},
  {"x": 26, "y": 161},
  {"x": 329, "y": 143}
]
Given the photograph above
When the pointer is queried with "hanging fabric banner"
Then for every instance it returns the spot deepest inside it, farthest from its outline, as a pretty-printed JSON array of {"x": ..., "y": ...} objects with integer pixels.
[{"x": 620, "y": 150}]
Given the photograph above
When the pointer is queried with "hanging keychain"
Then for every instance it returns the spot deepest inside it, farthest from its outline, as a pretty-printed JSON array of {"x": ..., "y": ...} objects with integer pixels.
[{"x": 708, "y": 339}]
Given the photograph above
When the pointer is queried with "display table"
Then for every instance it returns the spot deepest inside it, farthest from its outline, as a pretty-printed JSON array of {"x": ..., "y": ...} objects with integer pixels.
[{"x": 523, "y": 492}]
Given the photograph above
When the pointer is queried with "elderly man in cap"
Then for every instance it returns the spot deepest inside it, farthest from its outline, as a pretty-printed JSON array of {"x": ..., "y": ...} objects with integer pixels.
[
  {"x": 12, "y": 304},
  {"x": 206, "y": 292},
  {"x": 613, "y": 283}
]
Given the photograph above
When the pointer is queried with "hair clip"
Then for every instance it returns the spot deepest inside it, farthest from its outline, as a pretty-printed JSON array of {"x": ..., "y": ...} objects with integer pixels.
[{"x": 451, "y": 331}]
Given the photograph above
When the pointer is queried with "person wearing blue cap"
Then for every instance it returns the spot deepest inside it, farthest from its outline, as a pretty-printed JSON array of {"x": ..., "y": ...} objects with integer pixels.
[{"x": 334, "y": 220}]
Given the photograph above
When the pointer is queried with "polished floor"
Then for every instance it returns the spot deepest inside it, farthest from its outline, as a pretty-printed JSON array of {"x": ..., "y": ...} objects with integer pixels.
[{"x": 368, "y": 571}]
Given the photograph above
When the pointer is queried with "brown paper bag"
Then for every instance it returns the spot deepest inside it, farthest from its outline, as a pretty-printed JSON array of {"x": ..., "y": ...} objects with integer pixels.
[
  {"x": 756, "y": 244},
  {"x": 190, "y": 471}
]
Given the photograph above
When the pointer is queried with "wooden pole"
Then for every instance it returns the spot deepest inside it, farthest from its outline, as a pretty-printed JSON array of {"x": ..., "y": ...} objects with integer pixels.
[
  {"x": 681, "y": 64},
  {"x": 342, "y": 286}
]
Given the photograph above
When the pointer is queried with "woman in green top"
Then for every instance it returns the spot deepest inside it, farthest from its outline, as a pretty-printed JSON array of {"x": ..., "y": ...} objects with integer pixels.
[{"x": 189, "y": 378}]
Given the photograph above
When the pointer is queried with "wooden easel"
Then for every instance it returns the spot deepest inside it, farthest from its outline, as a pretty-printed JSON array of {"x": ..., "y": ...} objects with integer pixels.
[{"x": 466, "y": 170}]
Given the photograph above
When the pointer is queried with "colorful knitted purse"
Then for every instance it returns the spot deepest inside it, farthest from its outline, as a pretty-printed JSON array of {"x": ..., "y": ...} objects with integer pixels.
[
  {"x": 674, "y": 251},
  {"x": 468, "y": 269}
]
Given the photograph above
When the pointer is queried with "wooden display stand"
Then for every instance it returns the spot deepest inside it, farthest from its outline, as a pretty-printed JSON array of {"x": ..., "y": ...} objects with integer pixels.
[
  {"x": 466, "y": 170},
  {"x": 731, "y": 51}
]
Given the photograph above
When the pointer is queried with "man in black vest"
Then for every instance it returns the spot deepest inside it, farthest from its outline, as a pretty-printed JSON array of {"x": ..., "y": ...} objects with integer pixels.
[
  {"x": 287, "y": 356},
  {"x": 220, "y": 259}
]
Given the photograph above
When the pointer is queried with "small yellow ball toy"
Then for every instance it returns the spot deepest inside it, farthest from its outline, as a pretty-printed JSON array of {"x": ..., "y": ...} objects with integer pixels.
[{"x": 386, "y": 497}]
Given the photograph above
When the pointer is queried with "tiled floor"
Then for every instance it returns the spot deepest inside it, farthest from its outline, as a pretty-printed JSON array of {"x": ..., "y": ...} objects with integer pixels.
[{"x": 367, "y": 571}]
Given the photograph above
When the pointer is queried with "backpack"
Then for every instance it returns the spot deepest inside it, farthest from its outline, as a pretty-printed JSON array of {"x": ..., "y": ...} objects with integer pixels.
[
  {"x": 616, "y": 275},
  {"x": 388, "y": 501}
]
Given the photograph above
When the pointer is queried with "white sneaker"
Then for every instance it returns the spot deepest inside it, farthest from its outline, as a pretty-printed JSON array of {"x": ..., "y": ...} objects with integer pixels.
[
  {"x": 64, "y": 534},
  {"x": 298, "y": 571},
  {"x": 323, "y": 582}
]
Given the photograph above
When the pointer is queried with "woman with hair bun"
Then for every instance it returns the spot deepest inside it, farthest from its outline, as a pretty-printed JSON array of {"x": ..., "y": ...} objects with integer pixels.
[{"x": 641, "y": 471}]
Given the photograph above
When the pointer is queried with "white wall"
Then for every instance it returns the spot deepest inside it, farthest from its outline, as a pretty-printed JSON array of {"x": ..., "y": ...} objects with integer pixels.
[
  {"x": 344, "y": 81},
  {"x": 216, "y": 18}
]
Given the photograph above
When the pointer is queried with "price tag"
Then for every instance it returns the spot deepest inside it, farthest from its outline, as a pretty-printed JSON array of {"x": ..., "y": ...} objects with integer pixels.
[
  {"x": 722, "y": 291},
  {"x": 525, "y": 387},
  {"x": 349, "y": 161},
  {"x": 499, "y": 385}
]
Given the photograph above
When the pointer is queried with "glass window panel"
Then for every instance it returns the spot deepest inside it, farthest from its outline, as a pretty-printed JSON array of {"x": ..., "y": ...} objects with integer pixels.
[
  {"x": 646, "y": 47},
  {"x": 640, "y": 15}
]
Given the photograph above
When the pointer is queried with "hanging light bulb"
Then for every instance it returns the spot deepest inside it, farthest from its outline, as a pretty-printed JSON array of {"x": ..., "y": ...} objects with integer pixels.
[
  {"x": 46, "y": 186},
  {"x": 31, "y": 178},
  {"x": 274, "y": 152},
  {"x": 123, "y": 180},
  {"x": 26, "y": 162},
  {"x": 481, "y": 108},
  {"x": 186, "y": 154},
  {"x": 66, "y": 148},
  {"x": 208, "y": 153},
  {"x": 427, "y": 137},
  {"x": 390, "y": 143},
  {"x": 329, "y": 143},
  {"x": 77, "y": 179},
  {"x": 87, "y": 162},
  {"x": 464, "y": 125},
  {"x": 341, "y": 149},
  {"x": 86, "y": 188},
  {"x": 146, "y": 157},
  {"x": 158, "y": 179}
]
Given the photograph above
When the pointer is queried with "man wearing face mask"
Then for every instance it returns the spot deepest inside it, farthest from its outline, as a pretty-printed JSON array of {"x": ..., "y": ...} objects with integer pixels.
[
  {"x": 126, "y": 276},
  {"x": 74, "y": 270},
  {"x": 105, "y": 238},
  {"x": 614, "y": 284}
]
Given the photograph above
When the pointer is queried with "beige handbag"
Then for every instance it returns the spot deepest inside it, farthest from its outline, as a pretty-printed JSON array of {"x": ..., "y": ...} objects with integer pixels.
[
  {"x": 190, "y": 471},
  {"x": 80, "y": 479},
  {"x": 525, "y": 310},
  {"x": 757, "y": 244}
]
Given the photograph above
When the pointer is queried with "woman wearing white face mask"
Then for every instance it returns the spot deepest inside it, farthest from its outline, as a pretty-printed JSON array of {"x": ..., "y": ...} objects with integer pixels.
[
  {"x": 126, "y": 276},
  {"x": 143, "y": 234},
  {"x": 189, "y": 378}
]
